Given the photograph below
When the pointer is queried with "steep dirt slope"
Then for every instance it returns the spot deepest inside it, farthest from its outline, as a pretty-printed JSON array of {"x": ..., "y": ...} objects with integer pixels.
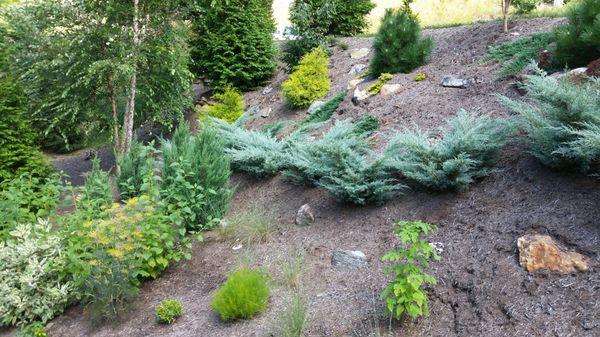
[{"x": 481, "y": 289}]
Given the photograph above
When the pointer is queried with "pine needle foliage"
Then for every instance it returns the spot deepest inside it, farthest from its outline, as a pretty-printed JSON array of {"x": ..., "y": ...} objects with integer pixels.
[
  {"x": 561, "y": 120},
  {"x": 517, "y": 54},
  {"x": 366, "y": 126},
  {"x": 398, "y": 45},
  {"x": 343, "y": 17},
  {"x": 578, "y": 42},
  {"x": 234, "y": 43},
  {"x": 455, "y": 158},
  {"x": 309, "y": 81},
  {"x": 243, "y": 295},
  {"x": 325, "y": 112}
]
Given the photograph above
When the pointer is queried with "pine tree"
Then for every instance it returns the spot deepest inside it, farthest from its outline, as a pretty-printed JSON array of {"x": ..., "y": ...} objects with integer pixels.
[
  {"x": 398, "y": 45},
  {"x": 234, "y": 43},
  {"x": 578, "y": 42}
]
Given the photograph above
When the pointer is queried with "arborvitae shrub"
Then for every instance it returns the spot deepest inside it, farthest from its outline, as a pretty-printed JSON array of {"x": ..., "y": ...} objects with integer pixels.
[
  {"x": 344, "y": 17},
  {"x": 455, "y": 158},
  {"x": 309, "y": 81},
  {"x": 561, "y": 121},
  {"x": 578, "y": 42},
  {"x": 517, "y": 54},
  {"x": 196, "y": 176},
  {"x": 229, "y": 106},
  {"x": 234, "y": 43},
  {"x": 325, "y": 112},
  {"x": 398, "y": 45},
  {"x": 243, "y": 295}
]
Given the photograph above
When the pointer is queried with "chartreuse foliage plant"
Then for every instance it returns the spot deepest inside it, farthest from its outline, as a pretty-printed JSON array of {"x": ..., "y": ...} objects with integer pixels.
[
  {"x": 578, "y": 42},
  {"x": 515, "y": 55},
  {"x": 398, "y": 45},
  {"x": 233, "y": 43},
  {"x": 33, "y": 282},
  {"x": 561, "y": 121},
  {"x": 196, "y": 176},
  {"x": 229, "y": 106},
  {"x": 452, "y": 159},
  {"x": 374, "y": 88},
  {"x": 309, "y": 81},
  {"x": 35, "y": 329},
  {"x": 243, "y": 295},
  {"x": 405, "y": 294},
  {"x": 168, "y": 311}
]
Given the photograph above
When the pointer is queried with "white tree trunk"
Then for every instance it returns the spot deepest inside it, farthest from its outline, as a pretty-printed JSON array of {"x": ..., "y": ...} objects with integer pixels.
[
  {"x": 505, "y": 8},
  {"x": 130, "y": 108}
]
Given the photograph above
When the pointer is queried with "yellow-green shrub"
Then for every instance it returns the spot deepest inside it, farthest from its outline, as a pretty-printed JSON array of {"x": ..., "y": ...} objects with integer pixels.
[
  {"x": 243, "y": 295},
  {"x": 309, "y": 81},
  {"x": 230, "y": 106}
]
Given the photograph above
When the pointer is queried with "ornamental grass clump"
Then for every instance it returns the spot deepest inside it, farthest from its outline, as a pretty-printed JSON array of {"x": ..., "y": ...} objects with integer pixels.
[
  {"x": 561, "y": 120},
  {"x": 309, "y": 81},
  {"x": 243, "y": 295},
  {"x": 452, "y": 159}
]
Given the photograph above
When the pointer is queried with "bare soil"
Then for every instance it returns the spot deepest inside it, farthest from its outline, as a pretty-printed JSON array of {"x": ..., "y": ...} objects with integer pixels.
[{"x": 481, "y": 289}]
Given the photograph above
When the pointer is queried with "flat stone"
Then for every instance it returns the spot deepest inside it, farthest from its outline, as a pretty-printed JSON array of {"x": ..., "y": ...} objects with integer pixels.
[
  {"x": 357, "y": 69},
  {"x": 542, "y": 252},
  {"x": 359, "y": 95},
  {"x": 315, "y": 106},
  {"x": 348, "y": 259},
  {"x": 454, "y": 82},
  {"x": 353, "y": 83},
  {"x": 267, "y": 90},
  {"x": 388, "y": 89},
  {"x": 305, "y": 216},
  {"x": 359, "y": 53},
  {"x": 266, "y": 112}
]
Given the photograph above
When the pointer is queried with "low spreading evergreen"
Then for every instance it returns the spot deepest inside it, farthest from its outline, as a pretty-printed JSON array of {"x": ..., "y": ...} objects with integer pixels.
[
  {"x": 561, "y": 120},
  {"x": 398, "y": 46},
  {"x": 325, "y": 112},
  {"x": 517, "y": 54},
  {"x": 454, "y": 158}
]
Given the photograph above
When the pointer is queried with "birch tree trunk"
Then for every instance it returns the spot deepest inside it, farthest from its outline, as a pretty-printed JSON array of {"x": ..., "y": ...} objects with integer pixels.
[
  {"x": 115, "y": 120},
  {"x": 505, "y": 9},
  {"x": 130, "y": 107}
]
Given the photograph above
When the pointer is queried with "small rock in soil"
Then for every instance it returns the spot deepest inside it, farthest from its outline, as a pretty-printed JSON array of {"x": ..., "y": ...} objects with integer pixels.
[
  {"x": 357, "y": 69},
  {"x": 353, "y": 83},
  {"x": 388, "y": 89},
  {"x": 542, "y": 252},
  {"x": 267, "y": 90},
  {"x": 348, "y": 259},
  {"x": 266, "y": 112},
  {"x": 359, "y": 53},
  {"x": 454, "y": 82},
  {"x": 305, "y": 216},
  {"x": 359, "y": 95},
  {"x": 315, "y": 106}
]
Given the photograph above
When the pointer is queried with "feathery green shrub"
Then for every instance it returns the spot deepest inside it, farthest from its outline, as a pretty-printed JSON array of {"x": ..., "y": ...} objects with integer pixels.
[
  {"x": 243, "y": 295},
  {"x": 525, "y": 6},
  {"x": 366, "y": 126},
  {"x": 517, "y": 54},
  {"x": 561, "y": 120},
  {"x": 398, "y": 45},
  {"x": 325, "y": 112},
  {"x": 168, "y": 311},
  {"x": 97, "y": 192},
  {"x": 229, "y": 107},
  {"x": 455, "y": 158},
  {"x": 196, "y": 176},
  {"x": 578, "y": 42},
  {"x": 234, "y": 43},
  {"x": 309, "y": 81},
  {"x": 135, "y": 165}
]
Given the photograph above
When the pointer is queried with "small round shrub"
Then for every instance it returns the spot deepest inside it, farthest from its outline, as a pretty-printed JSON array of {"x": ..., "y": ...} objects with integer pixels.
[
  {"x": 309, "y": 81},
  {"x": 398, "y": 45},
  {"x": 168, "y": 311},
  {"x": 526, "y": 6},
  {"x": 230, "y": 106},
  {"x": 243, "y": 295}
]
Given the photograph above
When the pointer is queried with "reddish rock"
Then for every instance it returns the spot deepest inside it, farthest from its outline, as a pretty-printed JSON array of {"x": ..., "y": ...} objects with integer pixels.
[{"x": 542, "y": 252}]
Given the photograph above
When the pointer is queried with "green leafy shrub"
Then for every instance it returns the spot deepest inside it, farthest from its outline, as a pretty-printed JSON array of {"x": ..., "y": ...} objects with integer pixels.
[
  {"x": 455, "y": 158},
  {"x": 135, "y": 165},
  {"x": 398, "y": 45},
  {"x": 515, "y": 55},
  {"x": 255, "y": 152},
  {"x": 374, "y": 88},
  {"x": 526, "y": 6},
  {"x": 578, "y": 42},
  {"x": 561, "y": 121},
  {"x": 230, "y": 106},
  {"x": 405, "y": 293},
  {"x": 331, "y": 17},
  {"x": 325, "y": 112},
  {"x": 196, "y": 176},
  {"x": 243, "y": 295},
  {"x": 234, "y": 43},
  {"x": 309, "y": 81},
  {"x": 168, "y": 311},
  {"x": 32, "y": 284},
  {"x": 26, "y": 198},
  {"x": 96, "y": 192},
  {"x": 35, "y": 329}
]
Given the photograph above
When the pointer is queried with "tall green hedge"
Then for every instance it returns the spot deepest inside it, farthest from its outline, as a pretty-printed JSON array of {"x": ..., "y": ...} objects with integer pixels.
[{"x": 234, "y": 43}]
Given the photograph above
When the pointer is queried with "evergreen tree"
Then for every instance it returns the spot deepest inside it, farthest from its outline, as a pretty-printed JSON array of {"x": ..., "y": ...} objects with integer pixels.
[
  {"x": 331, "y": 17},
  {"x": 578, "y": 42},
  {"x": 398, "y": 46},
  {"x": 234, "y": 43}
]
